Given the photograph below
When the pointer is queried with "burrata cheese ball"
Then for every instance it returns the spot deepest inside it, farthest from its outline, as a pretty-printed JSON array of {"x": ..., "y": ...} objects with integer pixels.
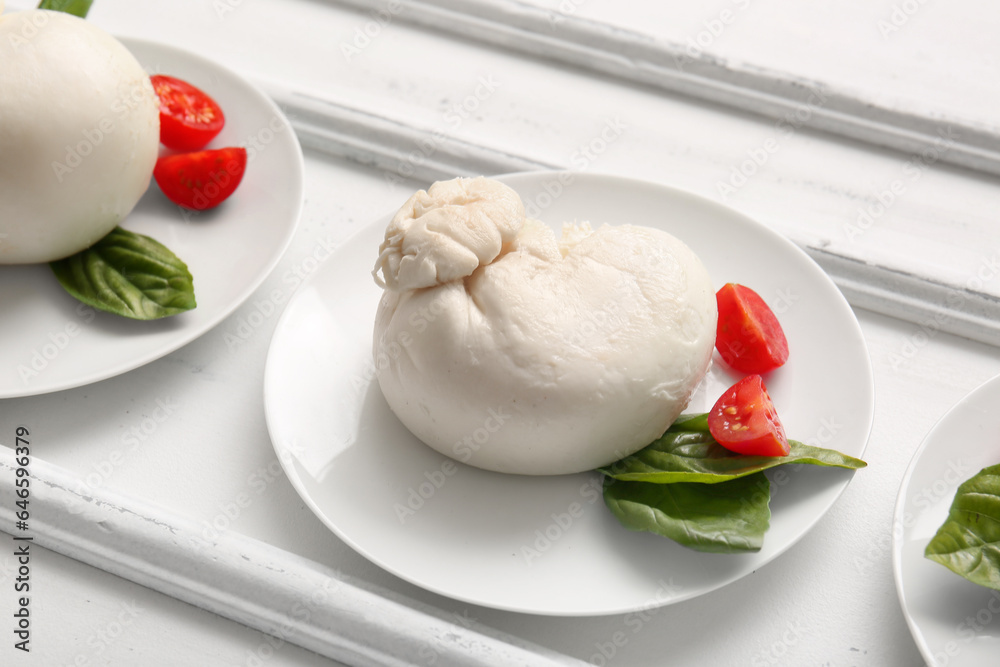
[
  {"x": 504, "y": 348},
  {"x": 79, "y": 135}
]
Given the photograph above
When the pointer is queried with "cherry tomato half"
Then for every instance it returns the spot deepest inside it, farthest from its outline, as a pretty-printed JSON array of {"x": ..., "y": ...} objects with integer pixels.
[
  {"x": 748, "y": 335},
  {"x": 744, "y": 420},
  {"x": 201, "y": 180},
  {"x": 189, "y": 118}
]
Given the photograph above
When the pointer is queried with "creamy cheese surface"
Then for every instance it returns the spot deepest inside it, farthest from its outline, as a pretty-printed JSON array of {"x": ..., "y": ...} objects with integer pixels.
[
  {"x": 79, "y": 135},
  {"x": 539, "y": 357}
]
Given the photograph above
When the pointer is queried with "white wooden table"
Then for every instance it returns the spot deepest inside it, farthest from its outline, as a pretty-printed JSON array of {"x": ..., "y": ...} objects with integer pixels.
[{"x": 388, "y": 96}]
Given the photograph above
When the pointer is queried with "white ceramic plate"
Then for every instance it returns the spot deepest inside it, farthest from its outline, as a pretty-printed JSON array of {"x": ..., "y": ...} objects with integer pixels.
[
  {"x": 953, "y": 621},
  {"x": 548, "y": 545},
  {"x": 51, "y": 342}
]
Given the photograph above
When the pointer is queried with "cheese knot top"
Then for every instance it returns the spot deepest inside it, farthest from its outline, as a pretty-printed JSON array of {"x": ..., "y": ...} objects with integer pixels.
[{"x": 447, "y": 232}]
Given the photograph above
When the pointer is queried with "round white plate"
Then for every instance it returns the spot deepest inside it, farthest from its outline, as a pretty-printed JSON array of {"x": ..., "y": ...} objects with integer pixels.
[
  {"x": 548, "y": 545},
  {"x": 51, "y": 342},
  {"x": 954, "y": 621}
]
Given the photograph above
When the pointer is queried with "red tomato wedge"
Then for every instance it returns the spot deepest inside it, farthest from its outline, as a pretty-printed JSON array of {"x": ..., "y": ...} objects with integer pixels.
[
  {"x": 748, "y": 335},
  {"x": 201, "y": 180},
  {"x": 189, "y": 118},
  {"x": 744, "y": 420}
]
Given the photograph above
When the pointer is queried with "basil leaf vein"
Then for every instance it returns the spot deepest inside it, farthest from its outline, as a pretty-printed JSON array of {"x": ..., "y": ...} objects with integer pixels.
[
  {"x": 968, "y": 543},
  {"x": 729, "y": 517},
  {"x": 687, "y": 452},
  {"x": 130, "y": 275},
  {"x": 689, "y": 488}
]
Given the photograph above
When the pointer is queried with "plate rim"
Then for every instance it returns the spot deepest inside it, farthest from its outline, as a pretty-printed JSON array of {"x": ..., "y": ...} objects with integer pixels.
[
  {"x": 366, "y": 228},
  {"x": 899, "y": 510}
]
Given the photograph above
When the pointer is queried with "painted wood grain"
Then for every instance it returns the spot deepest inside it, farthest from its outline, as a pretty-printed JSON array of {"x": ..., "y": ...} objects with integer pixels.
[{"x": 248, "y": 581}]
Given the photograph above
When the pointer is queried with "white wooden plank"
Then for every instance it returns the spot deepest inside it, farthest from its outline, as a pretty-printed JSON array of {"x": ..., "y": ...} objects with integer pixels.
[
  {"x": 248, "y": 581},
  {"x": 640, "y": 58},
  {"x": 389, "y": 144},
  {"x": 828, "y": 195},
  {"x": 371, "y": 139},
  {"x": 932, "y": 58},
  {"x": 403, "y": 79}
]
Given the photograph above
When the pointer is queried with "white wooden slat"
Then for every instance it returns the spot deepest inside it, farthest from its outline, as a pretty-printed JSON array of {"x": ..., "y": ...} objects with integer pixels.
[
  {"x": 816, "y": 190},
  {"x": 388, "y": 144},
  {"x": 639, "y": 58},
  {"x": 866, "y": 284},
  {"x": 296, "y": 600}
]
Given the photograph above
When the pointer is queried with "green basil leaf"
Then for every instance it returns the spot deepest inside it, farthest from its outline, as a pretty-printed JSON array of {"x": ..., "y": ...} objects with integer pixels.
[
  {"x": 697, "y": 422},
  {"x": 130, "y": 275},
  {"x": 687, "y": 452},
  {"x": 968, "y": 543},
  {"x": 730, "y": 517},
  {"x": 74, "y": 7}
]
